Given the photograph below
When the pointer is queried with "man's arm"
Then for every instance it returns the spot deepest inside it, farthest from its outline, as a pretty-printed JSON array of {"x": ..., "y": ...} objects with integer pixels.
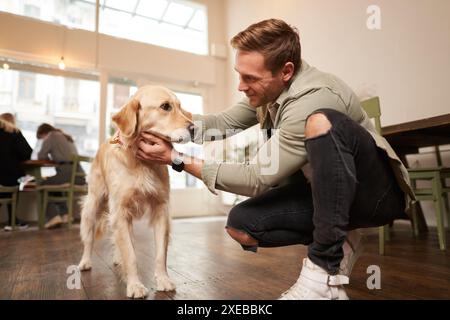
[
  {"x": 46, "y": 147},
  {"x": 281, "y": 156},
  {"x": 240, "y": 116},
  {"x": 278, "y": 158}
]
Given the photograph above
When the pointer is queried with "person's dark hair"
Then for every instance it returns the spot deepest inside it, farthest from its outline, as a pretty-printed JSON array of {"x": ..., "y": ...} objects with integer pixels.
[
  {"x": 277, "y": 41},
  {"x": 46, "y": 128}
]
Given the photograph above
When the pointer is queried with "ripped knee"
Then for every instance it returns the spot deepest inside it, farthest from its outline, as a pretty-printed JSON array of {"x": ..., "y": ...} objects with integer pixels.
[
  {"x": 242, "y": 237},
  {"x": 317, "y": 124}
]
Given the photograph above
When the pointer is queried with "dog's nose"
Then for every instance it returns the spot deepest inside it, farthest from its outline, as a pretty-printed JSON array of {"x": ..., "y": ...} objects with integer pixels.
[{"x": 191, "y": 129}]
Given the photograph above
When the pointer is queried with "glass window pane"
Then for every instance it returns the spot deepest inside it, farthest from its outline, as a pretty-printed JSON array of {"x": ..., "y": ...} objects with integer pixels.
[
  {"x": 145, "y": 26},
  {"x": 178, "y": 14},
  {"x": 153, "y": 9},
  {"x": 127, "y": 5},
  {"x": 194, "y": 104},
  {"x": 198, "y": 22},
  {"x": 72, "y": 13},
  {"x": 66, "y": 103}
]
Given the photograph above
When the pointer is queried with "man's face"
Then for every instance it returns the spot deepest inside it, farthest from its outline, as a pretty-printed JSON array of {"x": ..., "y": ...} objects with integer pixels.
[{"x": 255, "y": 80}]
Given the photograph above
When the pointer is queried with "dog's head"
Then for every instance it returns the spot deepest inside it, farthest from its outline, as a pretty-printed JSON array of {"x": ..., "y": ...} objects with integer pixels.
[{"x": 155, "y": 110}]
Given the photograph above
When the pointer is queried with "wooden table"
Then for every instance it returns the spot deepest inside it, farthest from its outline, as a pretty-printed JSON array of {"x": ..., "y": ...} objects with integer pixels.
[{"x": 406, "y": 138}]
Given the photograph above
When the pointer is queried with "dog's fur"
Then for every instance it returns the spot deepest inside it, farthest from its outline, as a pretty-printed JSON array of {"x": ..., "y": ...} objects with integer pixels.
[{"x": 121, "y": 187}]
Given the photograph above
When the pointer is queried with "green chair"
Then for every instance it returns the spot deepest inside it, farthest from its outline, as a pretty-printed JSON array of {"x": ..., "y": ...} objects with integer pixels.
[
  {"x": 12, "y": 200},
  {"x": 373, "y": 110},
  {"x": 436, "y": 176},
  {"x": 436, "y": 193},
  {"x": 68, "y": 191}
]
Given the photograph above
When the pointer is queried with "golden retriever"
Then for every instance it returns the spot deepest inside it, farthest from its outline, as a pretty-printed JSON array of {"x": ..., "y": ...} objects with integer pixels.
[{"x": 122, "y": 187}]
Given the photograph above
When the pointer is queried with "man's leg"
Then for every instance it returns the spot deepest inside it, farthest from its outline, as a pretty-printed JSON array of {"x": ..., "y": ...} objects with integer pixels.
[
  {"x": 353, "y": 186},
  {"x": 279, "y": 217},
  {"x": 352, "y": 183}
]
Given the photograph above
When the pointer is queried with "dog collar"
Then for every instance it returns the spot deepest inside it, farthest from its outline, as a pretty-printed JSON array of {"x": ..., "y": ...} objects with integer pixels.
[{"x": 116, "y": 139}]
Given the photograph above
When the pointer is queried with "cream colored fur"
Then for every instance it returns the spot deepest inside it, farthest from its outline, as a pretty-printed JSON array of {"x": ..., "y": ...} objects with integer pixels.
[{"x": 122, "y": 188}]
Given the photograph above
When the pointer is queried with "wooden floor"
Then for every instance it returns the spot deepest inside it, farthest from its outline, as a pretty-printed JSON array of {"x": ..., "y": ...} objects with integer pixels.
[{"x": 206, "y": 264}]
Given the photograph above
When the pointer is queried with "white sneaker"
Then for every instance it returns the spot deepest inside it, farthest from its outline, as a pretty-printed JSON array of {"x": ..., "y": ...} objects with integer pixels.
[
  {"x": 315, "y": 283},
  {"x": 353, "y": 247},
  {"x": 19, "y": 226},
  {"x": 54, "y": 222}
]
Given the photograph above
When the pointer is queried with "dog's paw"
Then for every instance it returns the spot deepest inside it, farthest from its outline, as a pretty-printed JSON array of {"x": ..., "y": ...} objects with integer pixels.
[
  {"x": 163, "y": 283},
  {"x": 136, "y": 290},
  {"x": 85, "y": 265}
]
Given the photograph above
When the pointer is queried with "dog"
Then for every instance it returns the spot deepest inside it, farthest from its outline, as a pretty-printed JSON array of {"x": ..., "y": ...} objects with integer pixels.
[{"x": 122, "y": 188}]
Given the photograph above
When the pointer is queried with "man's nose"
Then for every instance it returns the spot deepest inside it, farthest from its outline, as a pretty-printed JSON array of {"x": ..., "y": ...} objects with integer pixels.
[{"x": 242, "y": 86}]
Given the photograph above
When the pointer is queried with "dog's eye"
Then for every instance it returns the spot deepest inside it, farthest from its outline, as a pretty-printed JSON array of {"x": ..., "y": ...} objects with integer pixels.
[{"x": 166, "y": 107}]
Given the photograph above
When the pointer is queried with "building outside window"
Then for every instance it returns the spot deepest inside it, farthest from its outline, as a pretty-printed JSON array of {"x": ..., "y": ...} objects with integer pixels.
[{"x": 70, "y": 104}]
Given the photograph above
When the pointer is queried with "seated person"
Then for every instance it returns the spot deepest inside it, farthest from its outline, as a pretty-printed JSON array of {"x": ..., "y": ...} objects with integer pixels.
[
  {"x": 14, "y": 149},
  {"x": 59, "y": 147}
]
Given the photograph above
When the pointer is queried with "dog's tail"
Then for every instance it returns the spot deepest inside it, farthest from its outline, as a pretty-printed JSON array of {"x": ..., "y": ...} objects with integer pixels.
[{"x": 92, "y": 217}]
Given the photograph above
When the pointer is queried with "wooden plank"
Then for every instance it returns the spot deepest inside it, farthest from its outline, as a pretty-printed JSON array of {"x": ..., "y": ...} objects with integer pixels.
[
  {"x": 443, "y": 120},
  {"x": 205, "y": 263}
]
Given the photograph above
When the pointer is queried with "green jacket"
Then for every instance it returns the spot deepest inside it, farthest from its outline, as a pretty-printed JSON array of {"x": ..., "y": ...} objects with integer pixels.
[{"x": 310, "y": 90}]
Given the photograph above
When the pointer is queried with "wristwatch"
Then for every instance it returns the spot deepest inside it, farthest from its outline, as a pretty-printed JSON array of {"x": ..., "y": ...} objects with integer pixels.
[{"x": 177, "y": 163}]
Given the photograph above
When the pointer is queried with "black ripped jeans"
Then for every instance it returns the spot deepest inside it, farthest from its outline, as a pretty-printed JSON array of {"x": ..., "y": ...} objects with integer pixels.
[{"x": 353, "y": 186}]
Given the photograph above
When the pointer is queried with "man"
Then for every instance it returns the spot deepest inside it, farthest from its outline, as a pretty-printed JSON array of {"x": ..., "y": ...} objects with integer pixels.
[{"x": 356, "y": 179}]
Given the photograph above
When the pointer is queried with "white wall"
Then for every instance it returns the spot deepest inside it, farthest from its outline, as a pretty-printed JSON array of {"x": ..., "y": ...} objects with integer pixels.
[{"x": 406, "y": 63}]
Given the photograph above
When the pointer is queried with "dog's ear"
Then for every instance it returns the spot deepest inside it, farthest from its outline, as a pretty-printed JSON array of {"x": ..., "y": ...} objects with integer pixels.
[{"x": 127, "y": 118}]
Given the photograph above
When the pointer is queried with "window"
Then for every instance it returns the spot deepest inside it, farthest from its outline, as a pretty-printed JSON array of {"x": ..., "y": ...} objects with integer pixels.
[
  {"x": 69, "y": 104},
  {"x": 178, "y": 180},
  {"x": 72, "y": 13},
  {"x": 175, "y": 24},
  {"x": 27, "y": 84},
  {"x": 180, "y": 25}
]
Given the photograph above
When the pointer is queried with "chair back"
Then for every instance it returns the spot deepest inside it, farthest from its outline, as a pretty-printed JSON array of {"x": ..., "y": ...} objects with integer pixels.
[
  {"x": 12, "y": 191},
  {"x": 77, "y": 171},
  {"x": 372, "y": 108}
]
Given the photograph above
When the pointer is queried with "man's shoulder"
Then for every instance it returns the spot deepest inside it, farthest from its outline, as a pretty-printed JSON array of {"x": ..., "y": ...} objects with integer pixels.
[
  {"x": 315, "y": 87},
  {"x": 310, "y": 79}
]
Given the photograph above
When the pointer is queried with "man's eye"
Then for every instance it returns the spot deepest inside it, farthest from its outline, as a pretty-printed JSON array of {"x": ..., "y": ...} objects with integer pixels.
[{"x": 166, "y": 107}]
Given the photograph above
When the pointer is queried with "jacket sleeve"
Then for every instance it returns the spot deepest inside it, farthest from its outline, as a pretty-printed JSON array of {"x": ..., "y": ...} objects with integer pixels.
[
  {"x": 281, "y": 156},
  {"x": 46, "y": 148},
  {"x": 218, "y": 126},
  {"x": 22, "y": 148}
]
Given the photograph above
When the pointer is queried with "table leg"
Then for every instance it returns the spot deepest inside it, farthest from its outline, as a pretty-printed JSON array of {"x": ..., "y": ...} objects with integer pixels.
[{"x": 41, "y": 215}]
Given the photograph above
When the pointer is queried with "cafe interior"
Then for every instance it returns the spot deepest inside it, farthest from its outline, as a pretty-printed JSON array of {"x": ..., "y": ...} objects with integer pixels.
[{"x": 74, "y": 64}]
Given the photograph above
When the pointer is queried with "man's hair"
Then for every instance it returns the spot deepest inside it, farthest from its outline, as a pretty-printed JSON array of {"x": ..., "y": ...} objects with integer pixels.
[{"x": 277, "y": 41}]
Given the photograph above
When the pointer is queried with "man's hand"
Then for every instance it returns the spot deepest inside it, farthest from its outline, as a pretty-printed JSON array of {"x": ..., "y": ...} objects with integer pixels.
[{"x": 154, "y": 149}]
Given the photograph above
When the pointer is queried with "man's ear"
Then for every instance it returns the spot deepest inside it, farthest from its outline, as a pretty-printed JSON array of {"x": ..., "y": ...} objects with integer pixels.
[
  {"x": 127, "y": 118},
  {"x": 288, "y": 71}
]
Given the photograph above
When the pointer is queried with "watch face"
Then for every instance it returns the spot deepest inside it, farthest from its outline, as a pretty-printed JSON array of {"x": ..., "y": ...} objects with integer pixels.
[{"x": 177, "y": 161}]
